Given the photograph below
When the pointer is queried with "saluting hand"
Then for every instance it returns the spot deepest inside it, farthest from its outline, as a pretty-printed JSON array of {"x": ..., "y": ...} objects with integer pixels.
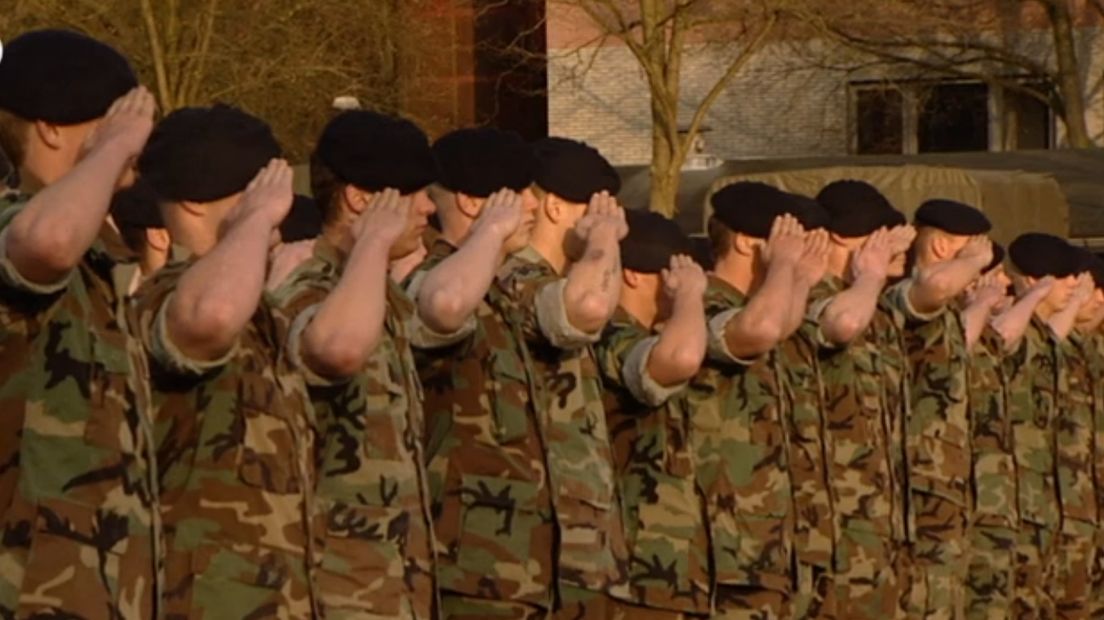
[
  {"x": 385, "y": 218},
  {"x": 502, "y": 213},
  {"x": 683, "y": 278},
  {"x": 602, "y": 214},
  {"x": 872, "y": 259},
  {"x": 786, "y": 241},
  {"x": 980, "y": 248},
  {"x": 813, "y": 263},
  {"x": 269, "y": 196},
  {"x": 126, "y": 125}
]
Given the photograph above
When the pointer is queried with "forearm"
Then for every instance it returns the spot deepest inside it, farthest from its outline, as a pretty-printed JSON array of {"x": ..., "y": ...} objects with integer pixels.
[
  {"x": 348, "y": 325},
  {"x": 759, "y": 326},
  {"x": 799, "y": 303},
  {"x": 1012, "y": 323},
  {"x": 50, "y": 236},
  {"x": 218, "y": 295},
  {"x": 850, "y": 312},
  {"x": 452, "y": 290},
  {"x": 593, "y": 286},
  {"x": 1062, "y": 322},
  {"x": 935, "y": 286},
  {"x": 974, "y": 319},
  {"x": 680, "y": 349}
]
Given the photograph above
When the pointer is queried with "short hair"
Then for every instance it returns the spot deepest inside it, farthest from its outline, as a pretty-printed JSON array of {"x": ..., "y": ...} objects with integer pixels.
[
  {"x": 325, "y": 188},
  {"x": 720, "y": 238}
]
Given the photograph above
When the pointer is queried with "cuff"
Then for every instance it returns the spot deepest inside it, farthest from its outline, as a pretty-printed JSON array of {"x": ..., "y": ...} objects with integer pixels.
[
  {"x": 421, "y": 335},
  {"x": 816, "y": 310},
  {"x": 900, "y": 296},
  {"x": 11, "y": 276},
  {"x": 641, "y": 384},
  {"x": 718, "y": 344},
  {"x": 553, "y": 321},
  {"x": 164, "y": 351}
]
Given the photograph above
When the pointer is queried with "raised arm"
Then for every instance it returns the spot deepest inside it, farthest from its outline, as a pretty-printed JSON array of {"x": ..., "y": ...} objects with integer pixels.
[
  {"x": 593, "y": 286},
  {"x": 850, "y": 311},
  {"x": 349, "y": 323},
  {"x": 452, "y": 290},
  {"x": 937, "y": 285},
  {"x": 980, "y": 303},
  {"x": 1062, "y": 322},
  {"x": 810, "y": 270},
  {"x": 760, "y": 325},
  {"x": 680, "y": 350},
  {"x": 48, "y": 238},
  {"x": 217, "y": 296},
  {"x": 1012, "y": 323}
]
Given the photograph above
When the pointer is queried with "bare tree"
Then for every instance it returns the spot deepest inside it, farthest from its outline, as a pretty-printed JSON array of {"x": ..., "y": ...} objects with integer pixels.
[
  {"x": 660, "y": 34},
  {"x": 1025, "y": 46},
  {"x": 284, "y": 60}
]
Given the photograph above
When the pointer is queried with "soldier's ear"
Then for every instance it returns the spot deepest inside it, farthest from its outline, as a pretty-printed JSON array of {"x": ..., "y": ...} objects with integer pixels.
[
  {"x": 48, "y": 134},
  {"x": 469, "y": 205},
  {"x": 158, "y": 239},
  {"x": 743, "y": 244},
  {"x": 630, "y": 278},
  {"x": 353, "y": 199},
  {"x": 554, "y": 208}
]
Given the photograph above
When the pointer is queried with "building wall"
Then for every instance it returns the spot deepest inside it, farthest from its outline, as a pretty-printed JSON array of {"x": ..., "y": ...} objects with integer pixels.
[{"x": 782, "y": 104}]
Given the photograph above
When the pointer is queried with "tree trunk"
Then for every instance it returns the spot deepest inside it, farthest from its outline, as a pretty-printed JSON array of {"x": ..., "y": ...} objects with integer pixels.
[
  {"x": 665, "y": 170},
  {"x": 1069, "y": 75}
]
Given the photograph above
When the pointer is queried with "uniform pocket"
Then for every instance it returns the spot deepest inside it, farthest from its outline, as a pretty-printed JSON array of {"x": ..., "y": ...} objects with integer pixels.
[
  {"x": 498, "y": 519},
  {"x": 247, "y": 584},
  {"x": 510, "y": 397},
  {"x": 995, "y": 487},
  {"x": 268, "y": 453},
  {"x": 940, "y": 468},
  {"x": 111, "y": 427},
  {"x": 364, "y": 560},
  {"x": 751, "y": 549}
]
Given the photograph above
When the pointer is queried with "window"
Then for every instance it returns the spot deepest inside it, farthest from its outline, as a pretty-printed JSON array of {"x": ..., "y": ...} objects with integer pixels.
[
  {"x": 880, "y": 120},
  {"x": 953, "y": 118}
]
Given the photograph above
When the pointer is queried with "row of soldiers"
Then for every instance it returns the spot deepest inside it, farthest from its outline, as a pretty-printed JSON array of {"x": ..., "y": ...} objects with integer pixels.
[{"x": 555, "y": 413}]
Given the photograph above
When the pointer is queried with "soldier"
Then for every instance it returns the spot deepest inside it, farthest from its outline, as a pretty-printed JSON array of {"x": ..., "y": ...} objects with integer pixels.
[
  {"x": 563, "y": 289},
  {"x": 799, "y": 379},
  {"x": 492, "y": 503},
  {"x": 761, "y": 276},
  {"x": 1031, "y": 383},
  {"x": 1075, "y": 454},
  {"x": 351, "y": 337},
  {"x": 994, "y": 324},
  {"x": 949, "y": 254},
  {"x": 135, "y": 212},
  {"x": 1094, "y": 346},
  {"x": 863, "y": 370},
  {"x": 232, "y": 426},
  {"x": 77, "y": 491},
  {"x": 298, "y": 233},
  {"x": 649, "y": 352}
]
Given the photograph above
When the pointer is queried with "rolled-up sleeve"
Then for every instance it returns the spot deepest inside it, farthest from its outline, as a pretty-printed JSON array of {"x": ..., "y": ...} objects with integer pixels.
[
  {"x": 10, "y": 276},
  {"x": 553, "y": 321},
  {"x": 422, "y": 335},
  {"x": 639, "y": 382},
  {"x": 898, "y": 296},
  {"x": 169, "y": 355},
  {"x": 717, "y": 342}
]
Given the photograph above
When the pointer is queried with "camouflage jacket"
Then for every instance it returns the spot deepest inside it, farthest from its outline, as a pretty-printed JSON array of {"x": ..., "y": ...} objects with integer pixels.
[
  {"x": 654, "y": 460},
  {"x": 79, "y": 521},
  {"x": 994, "y": 464},
  {"x": 234, "y": 438},
  {"x": 938, "y": 428},
  {"x": 1032, "y": 380},
  {"x": 1075, "y": 429},
  {"x": 492, "y": 507},
  {"x": 376, "y": 553},
  {"x": 798, "y": 369},
  {"x": 740, "y": 446},
  {"x": 1095, "y": 352},
  {"x": 592, "y": 550},
  {"x": 866, "y": 404}
]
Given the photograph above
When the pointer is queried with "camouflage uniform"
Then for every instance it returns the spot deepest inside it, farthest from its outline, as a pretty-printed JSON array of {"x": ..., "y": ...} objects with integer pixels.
[
  {"x": 802, "y": 401},
  {"x": 79, "y": 520},
  {"x": 866, "y": 404},
  {"x": 234, "y": 438},
  {"x": 741, "y": 450},
  {"x": 591, "y": 556},
  {"x": 938, "y": 450},
  {"x": 1076, "y": 458},
  {"x": 1031, "y": 377},
  {"x": 1094, "y": 347},
  {"x": 376, "y": 553},
  {"x": 663, "y": 511},
  {"x": 492, "y": 508},
  {"x": 991, "y": 538}
]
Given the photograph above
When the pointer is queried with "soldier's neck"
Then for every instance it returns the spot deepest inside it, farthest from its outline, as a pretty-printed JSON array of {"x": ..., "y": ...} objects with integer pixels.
[
  {"x": 638, "y": 307},
  {"x": 738, "y": 271}
]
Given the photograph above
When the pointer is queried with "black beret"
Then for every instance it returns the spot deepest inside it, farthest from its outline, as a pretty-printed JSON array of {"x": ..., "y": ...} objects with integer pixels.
[
  {"x": 479, "y": 161},
  {"x": 374, "y": 152},
  {"x": 998, "y": 257},
  {"x": 7, "y": 168},
  {"x": 811, "y": 215},
  {"x": 952, "y": 217},
  {"x": 137, "y": 207},
  {"x": 1039, "y": 254},
  {"x": 652, "y": 240},
  {"x": 61, "y": 77},
  {"x": 856, "y": 208},
  {"x": 303, "y": 221},
  {"x": 573, "y": 170},
  {"x": 1093, "y": 264},
  {"x": 205, "y": 154},
  {"x": 750, "y": 207},
  {"x": 701, "y": 250}
]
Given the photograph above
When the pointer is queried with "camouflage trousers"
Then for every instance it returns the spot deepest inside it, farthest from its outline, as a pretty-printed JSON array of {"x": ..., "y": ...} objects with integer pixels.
[
  {"x": 751, "y": 603},
  {"x": 1033, "y": 552},
  {"x": 870, "y": 577},
  {"x": 1072, "y": 572},
  {"x": 990, "y": 577},
  {"x": 619, "y": 610},
  {"x": 816, "y": 593},
  {"x": 938, "y": 559}
]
